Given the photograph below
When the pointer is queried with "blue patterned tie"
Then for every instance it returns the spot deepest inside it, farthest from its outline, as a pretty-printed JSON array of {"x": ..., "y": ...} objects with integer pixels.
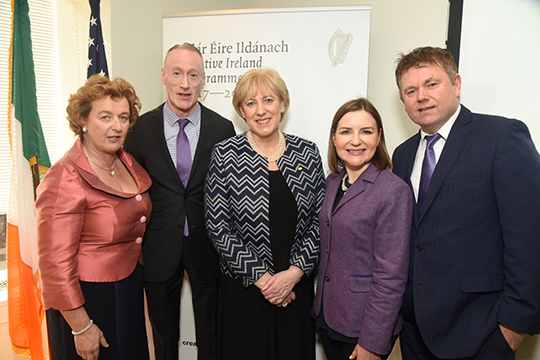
[
  {"x": 183, "y": 159},
  {"x": 428, "y": 166}
]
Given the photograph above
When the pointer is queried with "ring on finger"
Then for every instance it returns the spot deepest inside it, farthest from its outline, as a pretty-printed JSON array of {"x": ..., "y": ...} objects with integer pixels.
[{"x": 284, "y": 304}]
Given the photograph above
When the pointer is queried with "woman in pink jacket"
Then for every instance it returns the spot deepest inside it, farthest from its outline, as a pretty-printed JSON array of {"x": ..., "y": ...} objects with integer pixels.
[{"x": 92, "y": 209}]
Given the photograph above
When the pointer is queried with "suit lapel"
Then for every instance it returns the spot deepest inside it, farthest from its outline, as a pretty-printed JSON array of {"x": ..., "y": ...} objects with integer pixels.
[
  {"x": 331, "y": 191},
  {"x": 159, "y": 138},
  {"x": 355, "y": 189},
  {"x": 369, "y": 175},
  {"x": 452, "y": 149},
  {"x": 410, "y": 152},
  {"x": 204, "y": 137},
  {"x": 410, "y": 155}
]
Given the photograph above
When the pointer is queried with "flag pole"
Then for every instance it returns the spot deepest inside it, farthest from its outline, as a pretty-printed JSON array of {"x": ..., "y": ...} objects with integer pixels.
[{"x": 34, "y": 166}]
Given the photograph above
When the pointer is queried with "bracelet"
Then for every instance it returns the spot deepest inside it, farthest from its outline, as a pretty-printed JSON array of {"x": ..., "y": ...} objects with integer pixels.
[{"x": 83, "y": 330}]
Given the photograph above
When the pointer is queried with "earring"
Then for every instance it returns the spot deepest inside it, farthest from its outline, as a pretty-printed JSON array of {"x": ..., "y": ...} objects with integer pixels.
[{"x": 84, "y": 129}]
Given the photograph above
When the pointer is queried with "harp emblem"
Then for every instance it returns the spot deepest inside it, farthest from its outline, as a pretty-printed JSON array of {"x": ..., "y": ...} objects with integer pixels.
[{"x": 338, "y": 47}]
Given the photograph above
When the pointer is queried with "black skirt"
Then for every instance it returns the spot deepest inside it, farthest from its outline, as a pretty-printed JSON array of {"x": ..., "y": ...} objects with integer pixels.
[
  {"x": 117, "y": 308},
  {"x": 249, "y": 327}
]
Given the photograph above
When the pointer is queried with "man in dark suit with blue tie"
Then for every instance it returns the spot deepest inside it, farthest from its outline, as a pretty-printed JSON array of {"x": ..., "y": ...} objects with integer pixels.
[
  {"x": 472, "y": 290},
  {"x": 173, "y": 143}
]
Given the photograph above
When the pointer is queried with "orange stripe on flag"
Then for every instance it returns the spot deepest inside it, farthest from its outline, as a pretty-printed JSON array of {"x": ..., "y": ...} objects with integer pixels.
[{"x": 25, "y": 310}]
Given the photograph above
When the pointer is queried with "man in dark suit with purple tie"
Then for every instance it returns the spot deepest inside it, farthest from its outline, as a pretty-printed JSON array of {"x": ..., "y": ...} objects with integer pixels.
[
  {"x": 472, "y": 290},
  {"x": 177, "y": 159}
]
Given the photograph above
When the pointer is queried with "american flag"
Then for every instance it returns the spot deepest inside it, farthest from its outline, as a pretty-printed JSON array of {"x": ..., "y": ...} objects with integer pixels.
[{"x": 97, "y": 61}]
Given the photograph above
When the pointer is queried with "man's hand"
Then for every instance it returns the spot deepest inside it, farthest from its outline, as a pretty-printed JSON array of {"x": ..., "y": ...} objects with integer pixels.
[{"x": 513, "y": 337}]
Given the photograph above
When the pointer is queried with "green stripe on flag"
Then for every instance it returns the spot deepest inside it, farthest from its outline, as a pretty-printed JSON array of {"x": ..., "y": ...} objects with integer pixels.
[{"x": 24, "y": 87}]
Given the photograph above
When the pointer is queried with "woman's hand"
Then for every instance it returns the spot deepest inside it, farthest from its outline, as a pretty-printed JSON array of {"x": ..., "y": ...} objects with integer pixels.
[
  {"x": 263, "y": 280},
  {"x": 278, "y": 289},
  {"x": 360, "y": 353},
  {"x": 87, "y": 344}
]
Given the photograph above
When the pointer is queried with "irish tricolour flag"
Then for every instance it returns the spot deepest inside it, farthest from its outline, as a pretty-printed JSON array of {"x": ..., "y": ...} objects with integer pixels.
[{"x": 27, "y": 149}]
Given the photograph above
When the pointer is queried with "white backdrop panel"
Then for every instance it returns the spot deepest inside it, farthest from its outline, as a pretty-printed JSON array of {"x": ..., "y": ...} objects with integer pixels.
[
  {"x": 500, "y": 59},
  {"x": 321, "y": 53},
  {"x": 304, "y": 58}
]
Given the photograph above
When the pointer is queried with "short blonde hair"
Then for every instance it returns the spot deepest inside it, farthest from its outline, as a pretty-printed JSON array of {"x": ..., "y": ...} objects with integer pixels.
[
  {"x": 96, "y": 88},
  {"x": 260, "y": 79}
]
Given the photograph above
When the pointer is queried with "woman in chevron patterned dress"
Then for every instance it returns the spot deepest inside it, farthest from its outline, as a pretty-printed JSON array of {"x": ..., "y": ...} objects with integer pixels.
[{"x": 263, "y": 194}]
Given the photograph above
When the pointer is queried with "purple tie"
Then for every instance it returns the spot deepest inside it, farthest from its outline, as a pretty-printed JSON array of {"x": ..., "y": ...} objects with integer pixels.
[
  {"x": 183, "y": 159},
  {"x": 428, "y": 166}
]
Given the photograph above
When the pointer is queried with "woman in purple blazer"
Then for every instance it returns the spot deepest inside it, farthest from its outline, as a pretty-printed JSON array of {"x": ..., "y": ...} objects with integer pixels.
[{"x": 365, "y": 225}]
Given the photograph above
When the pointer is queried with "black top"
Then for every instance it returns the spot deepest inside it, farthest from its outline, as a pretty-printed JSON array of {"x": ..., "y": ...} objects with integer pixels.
[{"x": 283, "y": 214}]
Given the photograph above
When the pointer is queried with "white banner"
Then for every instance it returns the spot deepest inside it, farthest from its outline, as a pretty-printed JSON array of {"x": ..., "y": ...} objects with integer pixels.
[{"x": 321, "y": 53}]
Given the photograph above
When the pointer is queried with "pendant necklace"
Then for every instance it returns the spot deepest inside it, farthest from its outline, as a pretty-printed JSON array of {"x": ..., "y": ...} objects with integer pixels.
[
  {"x": 345, "y": 184},
  {"x": 111, "y": 170}
]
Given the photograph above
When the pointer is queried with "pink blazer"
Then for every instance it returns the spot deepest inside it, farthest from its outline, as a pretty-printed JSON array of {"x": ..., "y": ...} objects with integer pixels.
[{"x": 87, "y": 230}]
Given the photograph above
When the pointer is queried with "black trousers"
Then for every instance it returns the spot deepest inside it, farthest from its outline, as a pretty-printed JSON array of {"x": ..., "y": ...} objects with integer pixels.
[
  {"x": 117, "y": 308},
  {"x": 164, "y": 311},
  {"x": 339, "y": 350}
]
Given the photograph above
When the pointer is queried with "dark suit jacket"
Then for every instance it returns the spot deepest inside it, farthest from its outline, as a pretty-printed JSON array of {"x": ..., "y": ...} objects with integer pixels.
[
  {"x": 171, "y": 202},
  {"x": 364, "y": 257},
  {"x": 475, "y": 249}
]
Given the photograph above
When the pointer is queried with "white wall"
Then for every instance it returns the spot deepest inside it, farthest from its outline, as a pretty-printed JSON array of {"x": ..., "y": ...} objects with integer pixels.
[{"x": 500, "y": 57}]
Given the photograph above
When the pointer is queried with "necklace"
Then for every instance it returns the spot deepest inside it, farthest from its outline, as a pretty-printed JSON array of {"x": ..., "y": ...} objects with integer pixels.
[
  {"x": 345, "y": 184},
  {"x": 111, "y": 170},
  {"x": 279, "y": 150}
]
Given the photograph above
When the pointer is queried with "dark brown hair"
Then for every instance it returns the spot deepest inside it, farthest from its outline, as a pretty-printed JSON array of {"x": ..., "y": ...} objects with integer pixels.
[
  {"x": 423, "y": 56},
  {"x": 381, "y": 159}
]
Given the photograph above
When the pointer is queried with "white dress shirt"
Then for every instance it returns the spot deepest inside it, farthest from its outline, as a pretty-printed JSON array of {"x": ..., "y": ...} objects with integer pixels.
[{"x": 444, "y": 131}]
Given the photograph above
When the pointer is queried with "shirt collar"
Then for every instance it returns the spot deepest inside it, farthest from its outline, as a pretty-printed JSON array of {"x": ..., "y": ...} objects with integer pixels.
[
  {"x": 194, "y": 118},
  {"x": 444, "y": 131}
]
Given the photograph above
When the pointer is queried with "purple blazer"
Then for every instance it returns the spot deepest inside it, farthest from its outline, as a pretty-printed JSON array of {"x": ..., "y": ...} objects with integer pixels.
[{"x": 364, "y": 257}]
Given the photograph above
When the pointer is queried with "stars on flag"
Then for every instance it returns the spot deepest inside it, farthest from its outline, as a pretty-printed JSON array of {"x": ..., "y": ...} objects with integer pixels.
[{"x": 97, "y": 61}]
